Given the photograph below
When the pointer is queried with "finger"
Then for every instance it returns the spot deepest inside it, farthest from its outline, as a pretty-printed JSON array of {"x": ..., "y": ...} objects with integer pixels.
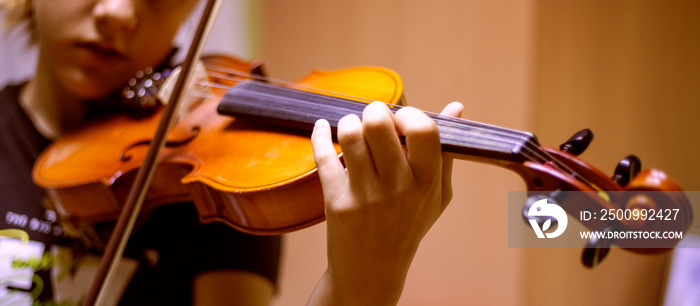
[
  {"x": 453, "y": 109},
  {"x": 382, "y": 140},
  {"x": 422, "y": 142},
  {"x": 330, "y": 169},
  {"x": 357, "y": 157}
]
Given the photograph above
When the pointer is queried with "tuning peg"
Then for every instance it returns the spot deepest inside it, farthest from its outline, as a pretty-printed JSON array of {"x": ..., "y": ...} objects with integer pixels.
[
  {"x": 257, "y": 70},
  {"x": 627, "y": 169},
  {"x": 596, "y": 250},
  {"x": 578, "y": 142}
]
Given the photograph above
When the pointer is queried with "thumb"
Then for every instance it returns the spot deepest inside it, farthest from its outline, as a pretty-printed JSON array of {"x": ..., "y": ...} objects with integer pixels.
[{"x": 453, "y": 109}]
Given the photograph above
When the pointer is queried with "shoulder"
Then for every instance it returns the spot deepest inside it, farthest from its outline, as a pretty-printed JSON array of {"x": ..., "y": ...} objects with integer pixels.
[
  {"x": 9, "y": 97},
  {"x": 9, "y": 102}
]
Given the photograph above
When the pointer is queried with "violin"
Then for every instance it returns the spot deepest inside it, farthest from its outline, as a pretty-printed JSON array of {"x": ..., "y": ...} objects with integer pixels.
[
  {"x": 256, "y": 177},
  {"x": 243, "y": 156}
]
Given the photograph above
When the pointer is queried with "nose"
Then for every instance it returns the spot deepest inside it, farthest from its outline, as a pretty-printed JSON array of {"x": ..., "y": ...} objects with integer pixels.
[{"x": 115, "y": 16}]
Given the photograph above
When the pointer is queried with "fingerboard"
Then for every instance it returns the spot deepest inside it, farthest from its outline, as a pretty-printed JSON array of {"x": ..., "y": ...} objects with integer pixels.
[{"x": 300, "y": 109}]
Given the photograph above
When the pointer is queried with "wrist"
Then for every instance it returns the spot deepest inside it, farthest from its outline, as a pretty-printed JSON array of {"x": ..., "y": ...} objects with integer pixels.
[{"x": 339, "y": 291}]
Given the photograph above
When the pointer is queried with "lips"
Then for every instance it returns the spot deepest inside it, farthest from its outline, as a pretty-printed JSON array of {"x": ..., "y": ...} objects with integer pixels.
[{"x": 101, "y": 52}]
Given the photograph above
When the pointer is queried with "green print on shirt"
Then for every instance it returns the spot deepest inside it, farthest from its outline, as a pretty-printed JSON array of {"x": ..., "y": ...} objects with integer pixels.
[{"x": 45, "y": 263}]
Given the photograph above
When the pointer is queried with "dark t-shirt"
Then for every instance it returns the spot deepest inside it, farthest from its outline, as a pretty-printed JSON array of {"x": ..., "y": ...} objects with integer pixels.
[{"x": 40, "y": 264}]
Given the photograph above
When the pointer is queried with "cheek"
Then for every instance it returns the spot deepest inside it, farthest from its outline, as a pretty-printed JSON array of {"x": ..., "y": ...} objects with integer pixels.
[{"x": 56, "y": 19}]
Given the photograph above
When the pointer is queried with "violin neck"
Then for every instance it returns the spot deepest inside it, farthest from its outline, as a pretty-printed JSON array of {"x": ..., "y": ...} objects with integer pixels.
[{"x": 301, "y": 109}]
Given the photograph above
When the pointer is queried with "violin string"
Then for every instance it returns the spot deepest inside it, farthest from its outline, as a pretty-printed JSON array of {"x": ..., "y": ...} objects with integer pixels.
[
  {"x": 224, "y": 73},
  {"x": 241, "y": 76},
  {"x": 446, "y": 119},
  {"x": 227, "y": 73},
  {"x": 543, "y": 155}
]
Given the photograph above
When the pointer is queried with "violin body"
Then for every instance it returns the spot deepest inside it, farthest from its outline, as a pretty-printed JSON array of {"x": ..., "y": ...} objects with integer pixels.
[{"x": 255, "y": 177}]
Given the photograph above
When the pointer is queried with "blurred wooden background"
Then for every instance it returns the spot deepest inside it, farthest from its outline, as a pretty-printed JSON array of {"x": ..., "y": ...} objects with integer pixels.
[{"x": 628, "y": 70}]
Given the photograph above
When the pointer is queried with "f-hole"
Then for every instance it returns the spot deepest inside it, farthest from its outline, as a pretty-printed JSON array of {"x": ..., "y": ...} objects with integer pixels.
[{"x": 125, "y": 156}]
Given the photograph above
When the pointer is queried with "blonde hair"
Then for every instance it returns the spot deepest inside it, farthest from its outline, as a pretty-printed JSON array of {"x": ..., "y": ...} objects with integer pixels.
[{"x": 19, "y": 13}]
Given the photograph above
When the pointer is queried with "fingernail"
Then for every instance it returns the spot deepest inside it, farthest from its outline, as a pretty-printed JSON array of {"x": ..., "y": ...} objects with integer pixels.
[{"x": 320, "y": 123}]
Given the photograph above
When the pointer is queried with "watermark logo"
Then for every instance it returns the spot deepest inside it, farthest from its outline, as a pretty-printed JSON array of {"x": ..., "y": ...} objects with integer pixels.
[{"x": 543, "y": 209}]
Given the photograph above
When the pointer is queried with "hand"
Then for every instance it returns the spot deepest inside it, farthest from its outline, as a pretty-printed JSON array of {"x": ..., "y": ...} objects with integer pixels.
[{"x": 380, "y": 207}]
